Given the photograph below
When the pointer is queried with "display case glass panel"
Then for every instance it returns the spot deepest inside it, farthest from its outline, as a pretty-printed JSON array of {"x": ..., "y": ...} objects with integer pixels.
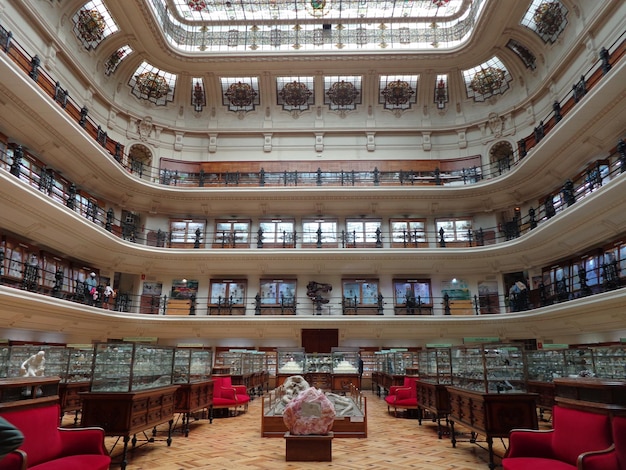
[
  {"x": 398, "y": 360},
  {"x": 4, "y": 359},
  {"x": 495, "y": 368},
  {"x": 610, "y": 361},
  {"x": 435, "y": 365},
  {"x": 228, "y": 292},
  {"x": 276, "y": 292},
  {"x": 579, "y": 362},
  {"x": 79, "y": 363},
  {"x": 129, "y": 367},
  {"x": 544, "y": 365},
  {"x": 290, "y": 361},
  {"x": 345, "y": 361},
  {"x": 54, "y": 360},
  {"x": 235, "y": 360},
  {"x": 192, "y": 364},
  {"x": 315, "y": 363}
]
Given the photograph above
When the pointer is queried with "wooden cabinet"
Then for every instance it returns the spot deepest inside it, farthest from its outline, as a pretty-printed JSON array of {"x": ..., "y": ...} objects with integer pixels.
[
  {"x": 321, "y": 380},
  {"x": 126, "y": 414},
  {"x": 599, "y": 395},
  {"x": 28, "y": 392},
  {"x": 192, "y": 397},
  {"x": 434, "y": 398},
  {"x": 344, "y": 382},
  {"x": 491, "y": 414},
  {"x": 70, "y": 398}
]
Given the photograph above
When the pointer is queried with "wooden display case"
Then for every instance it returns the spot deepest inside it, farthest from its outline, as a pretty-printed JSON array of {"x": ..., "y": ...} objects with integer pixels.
[
  {"x": 353, "y": 425},
  {"x": 127, "y": 414},
  {"x": 491, "y": 414},
  {"x": 435, "y": 375}
]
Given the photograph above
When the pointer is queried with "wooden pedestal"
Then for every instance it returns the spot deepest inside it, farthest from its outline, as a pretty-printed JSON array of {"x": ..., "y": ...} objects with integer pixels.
[{"x": 311, "y": 448}]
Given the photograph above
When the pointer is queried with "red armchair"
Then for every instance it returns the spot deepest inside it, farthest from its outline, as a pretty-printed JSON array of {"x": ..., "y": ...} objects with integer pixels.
[
  {"x": 48, "y": 447},
  {"x": 574, "y": 432},
  {"x": 226, "y": 395},
  {"x": 613, "y": 458},
  {"x": 403, "y": 396}
]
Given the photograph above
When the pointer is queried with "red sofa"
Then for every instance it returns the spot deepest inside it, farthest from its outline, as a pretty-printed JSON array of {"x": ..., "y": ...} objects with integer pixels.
[
  {"x": 48, "y": 447},
  {"x": 227, "y": 395},
  {"x": 613, "y": 458},
  {"x": 403, "y": 396},
  {"x": 574, "y": 433}
]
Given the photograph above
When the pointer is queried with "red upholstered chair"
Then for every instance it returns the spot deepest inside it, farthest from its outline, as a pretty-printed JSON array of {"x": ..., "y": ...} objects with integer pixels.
[
  {"x": 613, "y": 458},
  {"x": 403, "y": 396},
  {"x": 574, "y": 432},
  {"x": 48, "y": 447},
  {"x": 227, "y": 395}
]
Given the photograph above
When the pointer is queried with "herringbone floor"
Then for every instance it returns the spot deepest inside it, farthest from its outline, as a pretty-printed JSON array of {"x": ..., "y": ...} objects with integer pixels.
[{"x": 235, "y": 443}]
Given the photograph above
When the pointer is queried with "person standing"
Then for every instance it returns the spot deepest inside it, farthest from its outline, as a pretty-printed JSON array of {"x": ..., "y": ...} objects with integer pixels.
[{"x": 92, "y": 288}]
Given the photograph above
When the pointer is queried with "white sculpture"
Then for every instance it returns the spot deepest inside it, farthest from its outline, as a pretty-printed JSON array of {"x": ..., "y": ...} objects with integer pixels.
[{"x": 35, "y": 365}]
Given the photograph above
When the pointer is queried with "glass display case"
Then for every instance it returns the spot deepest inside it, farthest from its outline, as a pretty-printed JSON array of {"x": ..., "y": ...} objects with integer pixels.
[
  {"x": 290, "y": 361},
  {"x": 435, "y": 365},
  {"x": 544, "y": 365},
  {"x": 238, "y": 360},
  {"x": 494, "y": 368},
  {"x": 79, "y": 363},
  {"x": 610, "y": 361},
  {"x": 318, "y": 363},
  {"x": 399, "y": 360},
  {"x": 4, "y": 359},
  {"x": 130, "y": 367},
  {"x": 192, "y": 365},
  {"x": 54, "y": 364},
  {"x": 257, "y": 361},
  {"x": 579, "y": 362},
  {"x": 345, "y": 361}
]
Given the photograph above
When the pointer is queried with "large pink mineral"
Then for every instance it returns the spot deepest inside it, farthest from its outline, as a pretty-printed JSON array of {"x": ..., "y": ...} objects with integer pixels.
[{"x": 311, "y": 412}]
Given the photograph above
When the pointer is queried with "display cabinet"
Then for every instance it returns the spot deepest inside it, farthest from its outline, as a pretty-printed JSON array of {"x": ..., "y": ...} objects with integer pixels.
[
  {"x": 496, "y": 368},
  {"x": 127, "y": 367},
  {"x": 192, "y": 372},
  {"x": 579, "y": 362},
  {"x": 610, "y": 361},
  {"x": 291, "y": 361},
  {"x": 487, "y": 394},
  {"x": 76, "y": 378},
  {"x": 345, "y": 370},
  {"x": 435, "y": 365},
  {"x": 435, "y": 375},
  {"x": 55, "y": 359},
  {"x": 271, "y": 366},
  {"x": 542, "y": 367},
  {"x": 4, "y": 360},
  {"x": 192, "y": 365}
]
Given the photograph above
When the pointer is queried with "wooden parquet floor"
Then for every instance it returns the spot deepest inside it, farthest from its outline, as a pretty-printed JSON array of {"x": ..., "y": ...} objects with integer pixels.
[{"x": 235, "y": 442}]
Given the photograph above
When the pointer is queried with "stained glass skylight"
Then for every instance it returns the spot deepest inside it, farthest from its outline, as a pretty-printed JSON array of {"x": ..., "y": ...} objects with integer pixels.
[
  {"x": 487, "y": 79},
  {"x": 202, "y": 26},
  {"x": 547, "y": 18},
  {"x": 153, "y": 84},
  {"x": 93, "y": 23},
  {"x": 397, "y": 92}
]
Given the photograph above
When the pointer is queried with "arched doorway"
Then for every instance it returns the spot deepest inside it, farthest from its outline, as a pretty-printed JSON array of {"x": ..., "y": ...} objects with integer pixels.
[{"x": 500, "y": 157}]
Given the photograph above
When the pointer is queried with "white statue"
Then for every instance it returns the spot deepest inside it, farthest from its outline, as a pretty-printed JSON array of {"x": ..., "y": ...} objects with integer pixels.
[{"x": 34, "y": 366}]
